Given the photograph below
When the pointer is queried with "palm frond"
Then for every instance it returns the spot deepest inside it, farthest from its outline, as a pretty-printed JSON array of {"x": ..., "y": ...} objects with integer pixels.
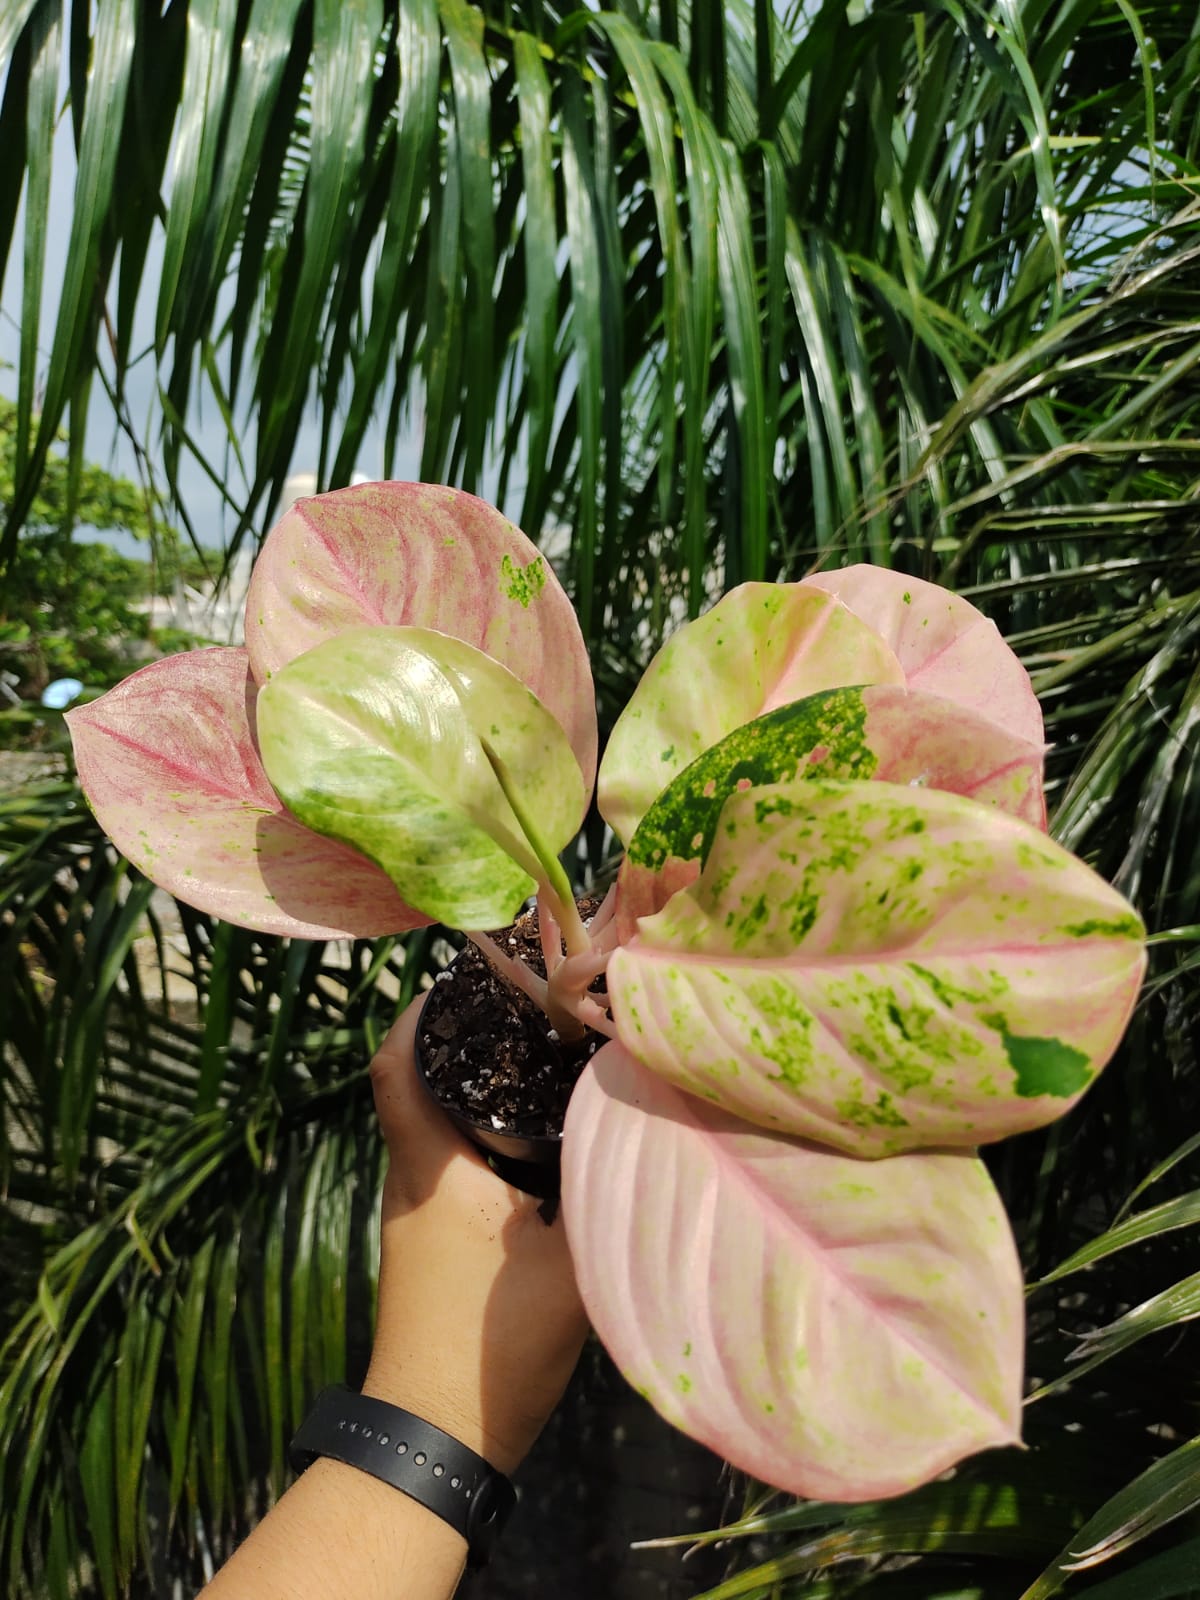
[
  {"x": 717, "y": 292},
  {"x": 189, "y": 1207}
]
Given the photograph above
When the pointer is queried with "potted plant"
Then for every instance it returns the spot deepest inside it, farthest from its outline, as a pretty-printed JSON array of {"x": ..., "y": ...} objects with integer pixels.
[{"x": 840, "y": 954}]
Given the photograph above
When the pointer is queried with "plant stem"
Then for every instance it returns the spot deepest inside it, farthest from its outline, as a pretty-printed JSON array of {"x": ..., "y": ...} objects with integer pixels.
[
  {"x": 517, "y": 973},
  {"x": 554, "y": 883}
]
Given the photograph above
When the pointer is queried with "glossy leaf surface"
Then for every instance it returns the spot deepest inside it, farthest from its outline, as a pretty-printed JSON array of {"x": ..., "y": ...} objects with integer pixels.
[
  {"x": 169, "y": 762},
  {"x": 879, "y": 967},
  {"x": 377, "y": 736},
  {"x": 944, "y": 645},
  {"x": 886, "y": 1336},
  {"x": 759, "y": 648},
  {"x": 883, "y": 732},
  {"x": 399, "y": 554}
]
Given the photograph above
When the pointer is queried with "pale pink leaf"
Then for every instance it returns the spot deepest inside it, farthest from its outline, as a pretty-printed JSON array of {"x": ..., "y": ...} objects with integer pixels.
[
  {"x": 169, "y": 763},
  {"x": 944, "y": 644},
  {"x": 840, "y": 1329},
  {"x": 880, "y": 968},
  {"x": 414, "y": 553},
  {"x": 761, "y": 647},
  {"x": 884, "y": 732}
]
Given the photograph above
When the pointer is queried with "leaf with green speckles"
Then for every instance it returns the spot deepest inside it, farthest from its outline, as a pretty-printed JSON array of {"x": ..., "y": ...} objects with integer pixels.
[
  {"x": 169, "y": 763},
  {"x": 883, "y": 731},
  {"x": 763, "y": 646},
  {"x": 1047, "y": 1067},
  {"x": 944, "y": 645},
  {"x": 1118, "y": 926},
  {"x": 843, "y": 1339},
  {"x": 415, "y": 554},
  {"x": 374, "y": 738},
  {"x": 879, "y": 968},
  {"x": 522, "y": 583}
]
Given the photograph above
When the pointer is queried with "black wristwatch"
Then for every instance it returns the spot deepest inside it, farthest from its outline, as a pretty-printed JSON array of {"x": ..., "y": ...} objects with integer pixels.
[{"x": 413, "y": 1456}]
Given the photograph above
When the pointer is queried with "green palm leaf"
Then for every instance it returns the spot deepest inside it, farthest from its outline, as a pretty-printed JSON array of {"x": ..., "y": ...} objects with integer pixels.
[{"x": 719, "y": 292}]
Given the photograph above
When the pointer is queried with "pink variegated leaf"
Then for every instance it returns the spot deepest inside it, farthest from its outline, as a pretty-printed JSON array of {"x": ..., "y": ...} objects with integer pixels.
[
  {"x": 416, "y": 554},
  {"x": 884, "y": 732},
  {"x": 759, "y": 648},
  {"x": 944, "y": 644},
  {"x": 880, "y": 968},
  {"x": 838, "y": 1328},
  {"x": 169, "y": 763}
]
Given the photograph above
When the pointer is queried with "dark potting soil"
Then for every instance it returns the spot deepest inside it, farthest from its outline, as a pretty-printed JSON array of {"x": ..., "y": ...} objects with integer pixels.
[{"x": 489, "y": 1051}]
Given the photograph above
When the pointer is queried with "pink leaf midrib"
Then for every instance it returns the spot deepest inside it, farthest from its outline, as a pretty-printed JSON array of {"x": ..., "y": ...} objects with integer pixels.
[
  {"x": 354, "y": 582},
  {"x": 189, "y": 774},
  {"x": 932, "y": 660},
  {"x": 765, "y": 1200}
]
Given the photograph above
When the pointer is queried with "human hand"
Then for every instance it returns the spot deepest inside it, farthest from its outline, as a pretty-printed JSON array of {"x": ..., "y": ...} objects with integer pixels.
[{"x": 479, "y": 1323}]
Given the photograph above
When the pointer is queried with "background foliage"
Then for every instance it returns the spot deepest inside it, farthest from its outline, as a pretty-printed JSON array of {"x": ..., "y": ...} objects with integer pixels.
[
  {"x": 72, "y": 609},
  {"x": 723, "y": 291}
]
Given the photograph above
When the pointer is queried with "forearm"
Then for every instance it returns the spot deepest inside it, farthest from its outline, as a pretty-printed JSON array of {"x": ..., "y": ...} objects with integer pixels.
[
  {"x": 339, "y": 1534},
  {"x": 479, "y": 1325}
]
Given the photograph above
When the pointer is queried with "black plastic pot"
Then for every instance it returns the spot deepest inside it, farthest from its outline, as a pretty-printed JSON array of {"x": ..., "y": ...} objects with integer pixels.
[{"x": 528, "y": 1162}]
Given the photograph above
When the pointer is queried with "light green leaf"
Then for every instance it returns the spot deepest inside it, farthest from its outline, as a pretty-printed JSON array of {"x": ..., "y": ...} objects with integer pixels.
[
  {"x": 658, "y": 130},
  {"x": 380, "y": 738},
  {"x": 1180, "y": 1153},
  {"x": 587, "y": 322},
  {"x": 345, "y": 36},
  {"x": 738, "y": 277},
  {"x": 419, "y": 47},
  {"x": 12, "y": 21},
  {"x": 761, "y": 647}
]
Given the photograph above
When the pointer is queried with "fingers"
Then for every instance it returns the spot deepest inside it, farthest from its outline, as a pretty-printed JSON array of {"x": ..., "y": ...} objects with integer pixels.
[
  {"x": 422, "y": 1141},
  {"x": 394, "y": 1072},
  {"x": 417, "y": 1132}
]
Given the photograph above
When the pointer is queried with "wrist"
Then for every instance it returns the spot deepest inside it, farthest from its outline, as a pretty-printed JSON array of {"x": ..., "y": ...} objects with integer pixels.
[
  {"x": 429, "y": 1390},
  {"x": 409, "y": 1453}
]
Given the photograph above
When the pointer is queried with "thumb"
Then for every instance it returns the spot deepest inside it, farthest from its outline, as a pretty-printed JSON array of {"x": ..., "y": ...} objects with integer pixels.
[{"x": 420, "y": 1138}]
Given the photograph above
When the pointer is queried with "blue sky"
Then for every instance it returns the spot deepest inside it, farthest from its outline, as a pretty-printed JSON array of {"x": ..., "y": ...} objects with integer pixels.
[{"x": 106, "y": 444}]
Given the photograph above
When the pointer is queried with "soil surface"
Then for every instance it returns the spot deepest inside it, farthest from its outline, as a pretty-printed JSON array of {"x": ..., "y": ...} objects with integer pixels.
[{"x": 489, "y": 1051}]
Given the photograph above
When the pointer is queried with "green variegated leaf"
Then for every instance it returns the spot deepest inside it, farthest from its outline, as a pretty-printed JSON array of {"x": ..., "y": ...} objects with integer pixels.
[
  {"x": 883, "y": 731},
  {"x": 380, "y": 737},
  {"x": 879, "y": 967},
  {"x": 761, "y": 647}
]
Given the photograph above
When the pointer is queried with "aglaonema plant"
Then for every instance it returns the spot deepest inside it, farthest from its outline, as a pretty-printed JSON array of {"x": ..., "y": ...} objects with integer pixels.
[{"x": 841, "y": 952}]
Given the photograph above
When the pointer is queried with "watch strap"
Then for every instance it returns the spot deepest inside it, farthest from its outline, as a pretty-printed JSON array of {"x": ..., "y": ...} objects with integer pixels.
[{"x": 422, "y": 1461}]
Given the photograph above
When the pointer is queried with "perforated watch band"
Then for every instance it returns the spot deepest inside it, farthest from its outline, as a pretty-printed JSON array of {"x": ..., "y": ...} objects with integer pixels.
[{"x": 412, "y": 1455}]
